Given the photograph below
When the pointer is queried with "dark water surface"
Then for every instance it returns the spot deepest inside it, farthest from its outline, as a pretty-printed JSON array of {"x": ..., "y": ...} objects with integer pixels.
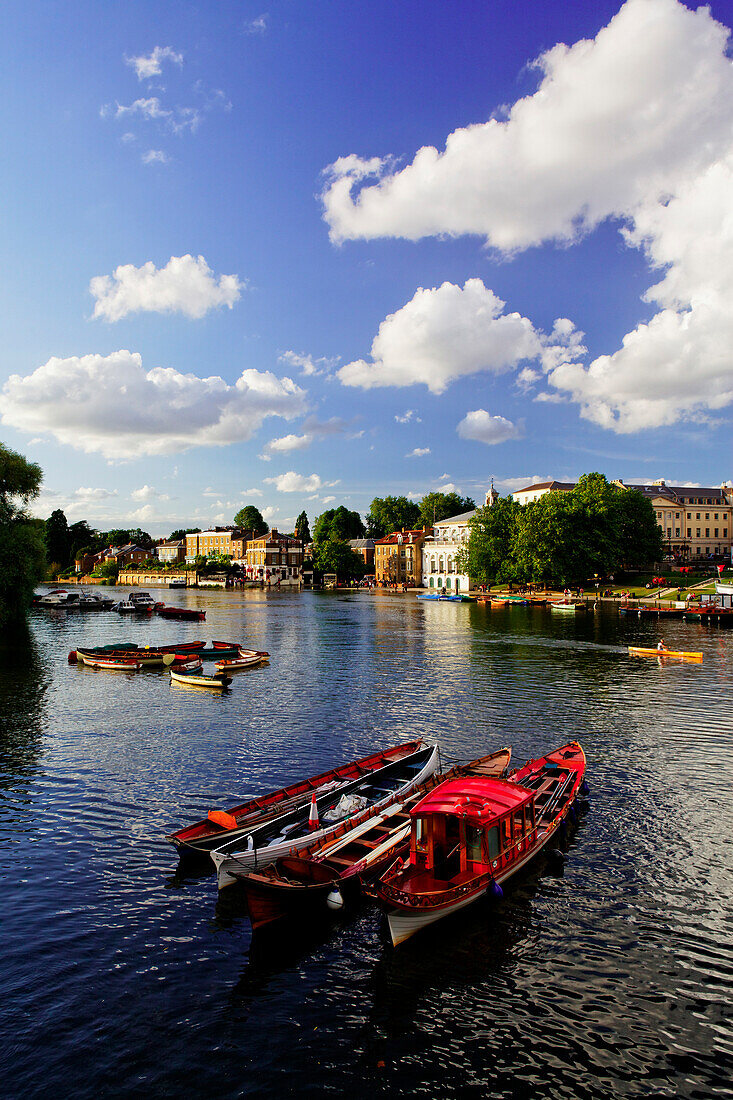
[{"x": 120, "y": 978}]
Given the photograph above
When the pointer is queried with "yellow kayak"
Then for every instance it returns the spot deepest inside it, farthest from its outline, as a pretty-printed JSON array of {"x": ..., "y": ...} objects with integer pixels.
[{"x": 682, "y": 655}]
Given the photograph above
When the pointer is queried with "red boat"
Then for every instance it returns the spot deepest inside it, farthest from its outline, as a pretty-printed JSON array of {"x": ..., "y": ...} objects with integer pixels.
[
  {"x": 187, "y": 662},
  {"x": 187, "y": 613},
  {"x": 470, "y": 835},
  {"x": 319, "y": 876},
  {"x": 227, "y": 826}
]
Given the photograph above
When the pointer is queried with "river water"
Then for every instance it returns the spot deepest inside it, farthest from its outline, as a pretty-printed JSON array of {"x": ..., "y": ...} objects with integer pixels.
[{"x": 121, "y": 977}]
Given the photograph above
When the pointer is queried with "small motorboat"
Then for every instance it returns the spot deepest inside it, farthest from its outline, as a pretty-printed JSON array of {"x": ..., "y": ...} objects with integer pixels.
[
  {"x": 185, "y": 613},
  {"x": 323, "y": 874},
  {"x": 677, "y": 654},
  {"x": 289, "y": 832},
  {"x": 234, "y": 824},
  {"x": 58, "y": 597},
  {"x": 219, "y": 682},
  {"x": 178, "y": 583},
  {"x": 471, "y": 834},
  {"x": 247, "y": 658},
  {"x": 92, "y": 601}
]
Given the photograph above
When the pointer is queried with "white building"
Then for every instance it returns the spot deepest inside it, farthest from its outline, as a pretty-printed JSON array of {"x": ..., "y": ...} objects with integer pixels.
[{"x": 439, "y": 565}]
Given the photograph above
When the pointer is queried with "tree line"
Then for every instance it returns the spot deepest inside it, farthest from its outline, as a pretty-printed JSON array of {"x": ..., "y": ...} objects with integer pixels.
[{"x": 563, "y": 538}]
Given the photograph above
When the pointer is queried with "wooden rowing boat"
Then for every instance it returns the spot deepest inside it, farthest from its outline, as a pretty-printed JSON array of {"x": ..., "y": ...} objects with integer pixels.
[
  {"x": 113, "y": 664},
  {"x": 147, "y": 658},
  {"x": 247, "y": 658},
  {"x": 678, "y": 654},
  {"x": 322, "y": 875},
  {"x": 187, "y": 662},
  {"x": 217, "y": 682},
  {"x": 469, "y": 835},
  {"x": 187, "y": 613},
  {"x": 566, "y": 606},
  {"x": 292, "y": 831},
  {"x": 199, "y": 838}
]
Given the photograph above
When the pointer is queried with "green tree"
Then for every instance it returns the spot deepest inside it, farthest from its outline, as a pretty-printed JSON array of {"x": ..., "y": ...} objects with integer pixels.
[
  {"x": 180, "y": 534},
  {"x": 58, "y": 539},
  {"x": 81, "y": 536},
  {"x": 140, "y": 538},
  {"x": 301, "y": 526},
  {"x": 338, "y": 524},
  {"x": 489, "y": 556},
  {"x": 388, "y": 514},
  {"x": 336, "y": 556},
  {"x": 638, "y": 538},
  {"x": 437, "y": 506},
  {"x": 250, "y": 518},
  {"x": 22, "y": 550}
]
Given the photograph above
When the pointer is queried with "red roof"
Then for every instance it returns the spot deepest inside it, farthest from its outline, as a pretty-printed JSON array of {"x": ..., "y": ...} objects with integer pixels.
[{"x": 475, "y": 797}]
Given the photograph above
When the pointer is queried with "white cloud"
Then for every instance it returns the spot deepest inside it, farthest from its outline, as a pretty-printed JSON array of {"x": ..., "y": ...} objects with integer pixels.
[
  {"x": 147, "y": 67},
  {"x": 128, "y": 411},
  {"x": 176, "y": 120},
  {"x": 150, "y": 109},
  {"x": 418, "y": 452},
  {"x": 443, "y": 334},
  {"x": 637, "y": 125},
  {"x": 328, "y": 500},
  {"x": 298, "y": 483},
  {"x": 258, "y": 25},
  {"x": 185, "y": 285},
  {"x": 86, "y": 494},
  {"x": 155, "y": 156},
  {"x": 485, "y": 428},
  {"x": 289, "y": 443},
  {"x": 147, "y": 492},
  {"x": 514, "y": 484},
  {"x": 309, "y": 366},
  {"x": 143, "y": 514},
  {"x": 409, "y": 415},
  {"x": 269, "y": 513}
]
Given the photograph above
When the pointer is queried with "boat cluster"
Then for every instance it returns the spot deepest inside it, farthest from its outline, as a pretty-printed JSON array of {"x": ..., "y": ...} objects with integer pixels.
[
  {"x": 136, "y": 603},
  {"x": 424, "y": 842},
  {"x": 184, "y": 660}
]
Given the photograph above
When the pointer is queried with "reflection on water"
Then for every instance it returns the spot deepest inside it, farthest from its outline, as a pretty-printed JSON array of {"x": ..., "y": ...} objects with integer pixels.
[{"x": 131, "y": 976}]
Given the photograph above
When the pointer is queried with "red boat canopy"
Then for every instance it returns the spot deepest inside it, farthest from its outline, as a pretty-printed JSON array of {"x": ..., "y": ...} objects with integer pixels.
[{"x": 477, "y": 798}]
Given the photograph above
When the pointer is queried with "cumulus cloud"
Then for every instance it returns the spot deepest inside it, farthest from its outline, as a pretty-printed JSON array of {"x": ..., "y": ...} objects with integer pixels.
[
  {"x": 298, "y": 483},
  {"x": 407, "y": 416},
  {"x": 418, "y": 452},
  {"x": 147, "y": 492},
  {"x": 289, "y": 443},
  {"x": 636, "y": 125},
  {"x": 481, "y": 426},
  {"x": 127, "y": 411},
  {"x": 143, "y": 514},
  {"x": 151, "y": 65},
  {"x": 185, "y": 285},
  {"x": 514, "y": 484},
  {"x": 443, "y": 334}
]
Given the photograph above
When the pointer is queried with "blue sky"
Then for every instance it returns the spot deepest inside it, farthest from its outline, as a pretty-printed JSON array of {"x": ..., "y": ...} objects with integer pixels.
[{"x": 303, "y": 254}]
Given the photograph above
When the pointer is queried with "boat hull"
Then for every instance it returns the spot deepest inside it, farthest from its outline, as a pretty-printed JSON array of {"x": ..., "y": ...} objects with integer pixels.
[{"x": 681, "y": 655}]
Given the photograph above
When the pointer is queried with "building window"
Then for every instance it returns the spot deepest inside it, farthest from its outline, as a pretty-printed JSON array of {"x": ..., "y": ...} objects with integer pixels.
[
  {"x": 676, "y": 532},
  {"x": 689, "y": 532},
  {"x": 715, "y": 516},
  {"x": 669, "y": 532},
  {"x": 725, "y": 532},
  {"x": 697, "y": 515},
  {"x": 707, "y": 515},
  {"x": 707, "y": 533},
  {"x": 716, "y": 532},
  {"x": 697, "y": 532}
]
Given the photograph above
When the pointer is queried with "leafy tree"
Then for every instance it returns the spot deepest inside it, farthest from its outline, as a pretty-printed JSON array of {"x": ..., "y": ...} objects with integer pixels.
[
  {"x": 58, "y": 539},
  {"x": 109, "y": 569},
  {"x": 22, "y": 551},
  {"x": 638, "y": 538},
  {"x": 140, "y": 538},
  {"x": 301, "y": 526},
  {"x": 488, "y": 557},
  {"x": 250, "y": 518},
  {"x": 180, "y": 534},
  {"x": 338, "y": 524},
  {"x": 81, "y": 536},
  {"x": 116, "y": 537},
  {"x": 437, "y": 506},
  {"x": 336, "y": 556},
  {"x": 387, "y": 514}
]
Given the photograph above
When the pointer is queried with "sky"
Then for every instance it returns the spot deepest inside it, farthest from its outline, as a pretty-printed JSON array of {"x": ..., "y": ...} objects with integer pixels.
[{"x": 302, "y": 254}]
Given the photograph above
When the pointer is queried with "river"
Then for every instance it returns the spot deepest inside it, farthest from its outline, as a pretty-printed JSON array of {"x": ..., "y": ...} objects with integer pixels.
[{"x": 121, "y": 977}]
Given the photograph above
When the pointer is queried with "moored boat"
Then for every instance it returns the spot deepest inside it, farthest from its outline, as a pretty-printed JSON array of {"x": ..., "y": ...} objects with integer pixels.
[
  {"x": 113, "y": 664},
  {"x": 567, "y": 606},
  {"x": 247, "y": 658},
  {"x": 290, "y": 832},
  {"x": 58, "y": 597},
  {"x": 679, "y": 654},
  {"x": 220, "y": 825},
  {"x": 469, "y": 835},
  {"x": 218, "y": 682},
  {"x": 187, "y": 662},
  {"x": 149, "y": 658},
  {"x": 188, "y": 614},
  {"x": 322, "y": 875}
]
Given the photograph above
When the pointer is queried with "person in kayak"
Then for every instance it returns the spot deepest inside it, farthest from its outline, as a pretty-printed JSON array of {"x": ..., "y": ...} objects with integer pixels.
[{"x": 661, "y": 647}]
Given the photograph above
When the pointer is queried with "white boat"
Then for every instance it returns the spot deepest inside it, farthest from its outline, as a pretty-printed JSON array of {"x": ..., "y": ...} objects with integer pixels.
[
  {"x": 142, "y": 601},
  {"x": 92, "y": 601},
  {"x": 293, "y": 830},
  {"x": 58, "y": 597},
  {"x": 177, "y": 584},
  {"x": 125, "y": 607},
  {"x": 568, "y": 607}
]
